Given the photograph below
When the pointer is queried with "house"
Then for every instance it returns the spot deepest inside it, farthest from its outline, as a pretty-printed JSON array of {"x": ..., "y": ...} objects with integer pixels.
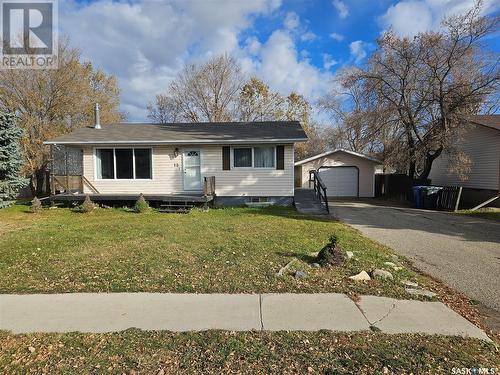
[
  {"x": 480, "y": 142},
  {"x": 345, "y": 173},
  {"x": 244, "y": 162}
]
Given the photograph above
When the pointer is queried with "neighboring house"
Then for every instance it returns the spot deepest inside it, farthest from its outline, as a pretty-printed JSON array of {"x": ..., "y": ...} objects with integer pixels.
[
  {"x": 249, "y": 161},
  {"x": 481, "y": 144},
  {"x": 345, "y": 173}
]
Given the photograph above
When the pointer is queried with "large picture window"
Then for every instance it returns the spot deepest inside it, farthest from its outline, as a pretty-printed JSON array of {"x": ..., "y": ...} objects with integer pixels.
[
  {"x": 123, "y": 163},
  {"x": 254, "y": 157}
]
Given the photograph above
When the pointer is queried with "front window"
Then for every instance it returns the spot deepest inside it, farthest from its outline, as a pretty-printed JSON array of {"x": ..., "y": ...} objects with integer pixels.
[
  {"x": 123, "y": 163},
  {"x": 264, "y": 157},
  {"x": 254, "y": 157},
  {"x": 242, "y": 157}
]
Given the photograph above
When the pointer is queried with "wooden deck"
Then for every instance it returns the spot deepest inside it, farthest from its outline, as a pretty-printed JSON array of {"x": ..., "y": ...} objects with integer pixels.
[{"x": 185, "y": 197}]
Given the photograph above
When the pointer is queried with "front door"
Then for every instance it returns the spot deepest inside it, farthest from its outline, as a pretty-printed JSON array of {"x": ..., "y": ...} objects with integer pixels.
[{"x": 191, "y": 170}]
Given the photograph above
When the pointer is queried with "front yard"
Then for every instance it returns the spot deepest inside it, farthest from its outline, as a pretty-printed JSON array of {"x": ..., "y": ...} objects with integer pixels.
[
  {"x": 224, "y": 251},
  {"x": 217, "y": 251}
]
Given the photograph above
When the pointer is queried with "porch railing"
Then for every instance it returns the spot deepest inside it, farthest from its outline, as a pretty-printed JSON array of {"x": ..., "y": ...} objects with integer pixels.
[
  {"x": 319, "y": 187},
  {"x": 209, "y": 185}
]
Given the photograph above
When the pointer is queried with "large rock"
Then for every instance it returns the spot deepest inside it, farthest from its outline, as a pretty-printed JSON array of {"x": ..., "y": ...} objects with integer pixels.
[
  {"x": 409, "y": 283},
  {"x": 362, "y": 276},
  {"x": 420, "y": 292},
  {"x": 300, "y": 275},
  {"x": 382, "y": 274}
]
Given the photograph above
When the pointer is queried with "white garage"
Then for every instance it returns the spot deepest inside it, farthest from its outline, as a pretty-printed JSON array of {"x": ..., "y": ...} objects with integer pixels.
[{"x": 345, "y": 173}]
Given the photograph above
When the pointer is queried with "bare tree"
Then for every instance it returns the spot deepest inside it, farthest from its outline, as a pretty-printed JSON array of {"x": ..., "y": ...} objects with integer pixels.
[
  {"x": 422, "y": 90},
  {"x": 257, "y": 102},
  {"x": 206, "y": 92},
  {"x": 51, "y": 102}
]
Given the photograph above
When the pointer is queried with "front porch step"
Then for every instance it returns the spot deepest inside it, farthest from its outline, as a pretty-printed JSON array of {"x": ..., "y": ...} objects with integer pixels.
[{"x": 307, "y": 202}]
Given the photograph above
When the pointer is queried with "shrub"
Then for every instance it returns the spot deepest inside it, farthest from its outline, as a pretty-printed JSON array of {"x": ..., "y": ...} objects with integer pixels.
[
  {"x": 141, "y": 205},
  {"x": 331, "y": 254},
  {"x": 87, "y": 205},
  {"x": 36, "y": 205}
]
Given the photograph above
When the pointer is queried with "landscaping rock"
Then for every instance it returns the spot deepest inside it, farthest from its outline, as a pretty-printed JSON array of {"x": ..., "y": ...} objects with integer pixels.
[
  {"x": 300, "y": 275},
  {"x": 362, "y": 276},
  {"x": 389, "y": 264},
  {"x": 349, "y": 254},
  {"x": 315, "y": 265},
  {"x": 382, "y": 274},
  {"x": 409, "y": 283},
  {"x": 420, "y": 292}
]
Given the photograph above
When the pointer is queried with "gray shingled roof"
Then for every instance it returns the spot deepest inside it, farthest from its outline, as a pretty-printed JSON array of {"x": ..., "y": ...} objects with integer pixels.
[
  {"x": 226, "y": 132},
  {"x": 490, "y": 121}
]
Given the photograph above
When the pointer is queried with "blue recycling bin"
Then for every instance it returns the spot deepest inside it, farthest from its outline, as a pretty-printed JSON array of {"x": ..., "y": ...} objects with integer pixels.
[{"x": 418, "y": 201}]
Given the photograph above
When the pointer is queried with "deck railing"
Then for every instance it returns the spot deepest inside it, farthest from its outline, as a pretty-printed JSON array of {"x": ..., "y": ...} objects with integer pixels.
[
  {"x": 319, "y": 187},
  {"x": 209, "y": 185}
]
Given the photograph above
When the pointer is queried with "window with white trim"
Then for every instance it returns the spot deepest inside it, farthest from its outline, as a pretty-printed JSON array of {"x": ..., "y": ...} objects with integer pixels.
[
  {"x": 254, "y": 157},
  {"x": 123, "y": 163}
]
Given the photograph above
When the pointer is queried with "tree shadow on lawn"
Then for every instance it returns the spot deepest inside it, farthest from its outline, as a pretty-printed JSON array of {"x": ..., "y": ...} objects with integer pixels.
[
  {"x": 309, "y": 259},
  {"x": 288, "y": 213}
]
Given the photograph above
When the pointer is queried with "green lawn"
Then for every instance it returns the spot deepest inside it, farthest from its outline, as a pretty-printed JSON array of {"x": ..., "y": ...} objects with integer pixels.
[
  {"x": 220, "y": 250},
  {"x": 490, "y": 213},
  {"x": 217, "y": 352}
]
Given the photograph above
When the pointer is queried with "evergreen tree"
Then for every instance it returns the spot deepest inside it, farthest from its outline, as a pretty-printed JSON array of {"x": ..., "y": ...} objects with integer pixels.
[{"x": 11, "y": 179}]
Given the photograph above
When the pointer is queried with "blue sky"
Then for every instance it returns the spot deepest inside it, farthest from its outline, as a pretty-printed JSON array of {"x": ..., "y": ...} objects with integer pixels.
[{"x": 290, "y": 44}]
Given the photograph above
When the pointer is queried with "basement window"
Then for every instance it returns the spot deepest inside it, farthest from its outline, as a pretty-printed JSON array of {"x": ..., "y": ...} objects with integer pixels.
[{"x": 123, "y": 163}]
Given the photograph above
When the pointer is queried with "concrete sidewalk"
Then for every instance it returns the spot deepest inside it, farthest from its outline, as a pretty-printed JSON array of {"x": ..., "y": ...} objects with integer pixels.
[{"x": 102, "y": 312}]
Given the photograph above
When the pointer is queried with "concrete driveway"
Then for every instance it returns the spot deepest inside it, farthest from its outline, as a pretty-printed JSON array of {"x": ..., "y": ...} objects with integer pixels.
[{"x": 462, "y": 251}]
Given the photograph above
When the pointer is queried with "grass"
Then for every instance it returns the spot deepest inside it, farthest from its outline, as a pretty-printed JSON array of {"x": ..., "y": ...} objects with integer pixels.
[
  {"x": 218, "y": 352},
  {"x": 491, "y": 213},
  {"x": 221, "y": 250}
]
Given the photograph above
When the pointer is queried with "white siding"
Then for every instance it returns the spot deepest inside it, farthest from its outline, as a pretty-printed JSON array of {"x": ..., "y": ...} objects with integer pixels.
[
  {"x": 366, "y": 170},
  {"x": 248, "y": 182},
  {"x": 482, "y": 145},
  {"x": 167, "y": 175}
]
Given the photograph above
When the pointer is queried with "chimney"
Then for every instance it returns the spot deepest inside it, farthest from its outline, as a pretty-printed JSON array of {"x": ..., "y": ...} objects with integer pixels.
[{"x": 97, "y": 117}]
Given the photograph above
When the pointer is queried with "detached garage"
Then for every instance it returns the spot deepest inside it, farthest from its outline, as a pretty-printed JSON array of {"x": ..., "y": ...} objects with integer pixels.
[{"x": 345, "y": 173}]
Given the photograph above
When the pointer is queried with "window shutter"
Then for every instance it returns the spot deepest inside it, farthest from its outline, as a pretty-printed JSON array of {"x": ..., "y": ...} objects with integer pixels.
[
  {"x": 280, "y": 157},
  {"x": 226, "y": 158}
]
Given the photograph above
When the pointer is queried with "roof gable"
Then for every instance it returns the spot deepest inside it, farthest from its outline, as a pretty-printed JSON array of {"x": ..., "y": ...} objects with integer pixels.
[{"x": 336, "y": 151}]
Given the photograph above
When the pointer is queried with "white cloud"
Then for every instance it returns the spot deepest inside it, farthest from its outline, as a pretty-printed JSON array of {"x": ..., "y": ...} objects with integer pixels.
[
  {"x": 252, "y": 45},
  {"x": 308, "y": 36},
  {"x": 341, "y": 8},
  {"x": 336, "y": 36},
  {"x": 291, "y": 21},
  {"x": 359, "y": 50},
  {"x": 144, "y": 44},
  {"x": 328, "y": 61},
  {"x": 409, "y": 17},
  {"x": 284, "y": 70}
]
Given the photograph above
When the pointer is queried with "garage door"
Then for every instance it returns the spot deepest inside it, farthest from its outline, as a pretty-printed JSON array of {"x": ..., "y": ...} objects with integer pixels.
[{"x": 340, "y": 181}]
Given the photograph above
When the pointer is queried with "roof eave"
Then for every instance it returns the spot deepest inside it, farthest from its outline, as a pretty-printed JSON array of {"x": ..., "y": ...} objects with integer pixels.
[{"x": 176, "y": 142}]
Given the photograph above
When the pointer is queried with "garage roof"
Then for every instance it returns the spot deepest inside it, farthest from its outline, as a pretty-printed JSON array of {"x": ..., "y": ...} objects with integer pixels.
[{"x": 335, "y": 151}]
